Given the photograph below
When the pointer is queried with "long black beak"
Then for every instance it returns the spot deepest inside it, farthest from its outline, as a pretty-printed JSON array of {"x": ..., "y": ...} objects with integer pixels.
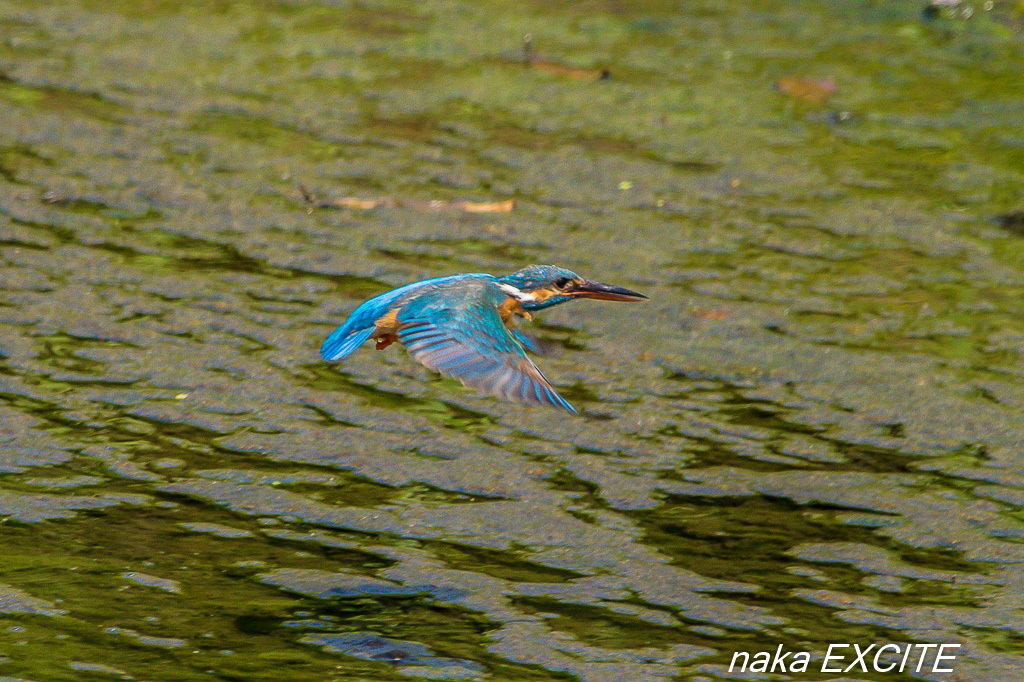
[{"x": 605, "y": 292}]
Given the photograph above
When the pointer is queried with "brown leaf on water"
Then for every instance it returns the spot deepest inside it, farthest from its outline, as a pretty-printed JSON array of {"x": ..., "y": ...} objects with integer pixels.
[
  {"x": 813, "y": 90},
  {"x": 358, "y": 204},
  {"x": 711, "y": 314},
  {"x": 467, "y": 206},
  {"x": 570, "y": 72},
  {"x": 532, "y": 61},
  {"x": 491, "y": 207}
]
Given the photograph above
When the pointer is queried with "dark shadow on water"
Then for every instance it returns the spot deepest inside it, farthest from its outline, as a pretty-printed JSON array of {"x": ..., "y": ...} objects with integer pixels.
[{"x": 502, "y": 564}]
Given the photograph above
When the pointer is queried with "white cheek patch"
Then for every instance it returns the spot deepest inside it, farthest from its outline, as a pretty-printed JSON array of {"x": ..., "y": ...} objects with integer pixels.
[{"x": 517, "y": 294}]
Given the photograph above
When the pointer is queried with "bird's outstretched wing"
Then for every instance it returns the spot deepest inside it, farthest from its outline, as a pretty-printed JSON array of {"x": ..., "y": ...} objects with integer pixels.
[
  {"x": 360, "y": 325},
  {"x": 458, "y": 331}
]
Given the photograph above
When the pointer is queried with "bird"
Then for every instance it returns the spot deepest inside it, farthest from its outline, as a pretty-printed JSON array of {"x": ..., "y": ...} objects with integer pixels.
[{"x": 466, "y": 327}]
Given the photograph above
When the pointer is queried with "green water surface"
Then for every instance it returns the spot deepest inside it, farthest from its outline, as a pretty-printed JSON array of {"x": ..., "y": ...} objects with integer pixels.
[{"x": 812, "y": 433}]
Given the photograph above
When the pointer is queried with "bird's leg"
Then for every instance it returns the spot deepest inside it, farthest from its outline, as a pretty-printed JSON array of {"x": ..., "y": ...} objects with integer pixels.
[
  {"x": 511, "y": 311},
  {"x": 384, "y": 333}
]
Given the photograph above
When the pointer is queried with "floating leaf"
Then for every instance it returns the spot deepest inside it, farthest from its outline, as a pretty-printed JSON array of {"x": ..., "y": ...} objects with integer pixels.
[
  {"x": 571, "y": 72},
  {"x": 716, "y": 314},
  {"x": 361, "y": 204},
  {"x": 532, "y": 61},
  {"x": 813, "y": 90},
  {"x": 490, "y": 207},
  {"x": 433, "y": 205}
]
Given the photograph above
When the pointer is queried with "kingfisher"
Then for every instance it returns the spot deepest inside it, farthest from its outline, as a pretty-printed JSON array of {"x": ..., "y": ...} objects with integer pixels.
[{"x": 466, "y": 327}]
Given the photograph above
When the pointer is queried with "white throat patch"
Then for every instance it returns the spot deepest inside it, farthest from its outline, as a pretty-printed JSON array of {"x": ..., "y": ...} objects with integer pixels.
[{"x": 517, "y": 294}]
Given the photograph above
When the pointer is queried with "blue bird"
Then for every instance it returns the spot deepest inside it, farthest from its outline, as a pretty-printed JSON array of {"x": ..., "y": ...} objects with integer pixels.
[{"x": 464, "y": 326}]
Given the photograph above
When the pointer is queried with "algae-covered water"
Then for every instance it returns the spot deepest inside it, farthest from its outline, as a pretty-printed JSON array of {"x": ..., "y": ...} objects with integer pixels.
[{"x": 811, "y": 434}]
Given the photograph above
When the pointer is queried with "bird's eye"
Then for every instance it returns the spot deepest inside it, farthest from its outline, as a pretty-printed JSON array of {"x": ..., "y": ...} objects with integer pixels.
[{"x": 562, "y": 282}]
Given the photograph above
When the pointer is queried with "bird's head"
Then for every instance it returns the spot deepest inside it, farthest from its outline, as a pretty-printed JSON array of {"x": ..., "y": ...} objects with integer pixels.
[{"x": 541, "y": 286}]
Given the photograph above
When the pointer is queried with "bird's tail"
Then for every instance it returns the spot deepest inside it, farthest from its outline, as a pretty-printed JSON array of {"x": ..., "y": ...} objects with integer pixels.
[{"x": 343, "y": 341}]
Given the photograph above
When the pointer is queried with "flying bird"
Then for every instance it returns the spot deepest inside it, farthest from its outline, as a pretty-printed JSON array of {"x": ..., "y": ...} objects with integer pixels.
[{"x": 465, "y": 327}]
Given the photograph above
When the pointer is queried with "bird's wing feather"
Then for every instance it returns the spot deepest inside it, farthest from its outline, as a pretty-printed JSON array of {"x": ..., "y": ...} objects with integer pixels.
[
  {"x": 525, "y": 341},
  {"x": 343, "y": 341},
  {"x": 457, "y": 331},
  {"x": 360, "y": 324}
]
